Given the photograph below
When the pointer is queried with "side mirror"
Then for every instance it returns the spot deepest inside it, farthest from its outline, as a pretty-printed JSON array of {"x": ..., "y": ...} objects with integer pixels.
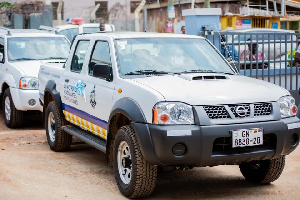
[
  {"x": 1, "y": 58},
  {"x": 102, "y": 71}
]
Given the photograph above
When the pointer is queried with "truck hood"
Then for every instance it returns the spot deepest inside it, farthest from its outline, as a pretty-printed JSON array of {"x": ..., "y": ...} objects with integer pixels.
[
  {"x": 31, "y": 68},
  {"x": 213, "y": 89}
]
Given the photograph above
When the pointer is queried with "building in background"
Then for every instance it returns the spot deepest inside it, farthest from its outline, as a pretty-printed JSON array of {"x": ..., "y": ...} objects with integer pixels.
[
  {"x": 259, "y": 10},
  {"x": 117, "y": 12},
  {"x": 121, "y": 12}
]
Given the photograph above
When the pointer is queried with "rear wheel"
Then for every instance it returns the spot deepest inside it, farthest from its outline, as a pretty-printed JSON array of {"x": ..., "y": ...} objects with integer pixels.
[
  {"x": 13, "y": 118},
  {"x": 58, "y": 140},
  {"x": 135, "y": 177},
  {"x": 263, "y": 171}
]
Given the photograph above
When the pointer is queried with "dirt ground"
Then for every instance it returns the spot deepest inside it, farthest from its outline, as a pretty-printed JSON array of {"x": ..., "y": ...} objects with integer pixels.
[{"x": 30, "y": 170}]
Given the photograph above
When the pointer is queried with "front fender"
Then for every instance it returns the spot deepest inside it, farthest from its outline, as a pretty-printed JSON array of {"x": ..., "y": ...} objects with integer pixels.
[
  {"x": 130, "y": 109},
  {"x": 9, "y": 80},
  {"x": 134, "y": 113}
]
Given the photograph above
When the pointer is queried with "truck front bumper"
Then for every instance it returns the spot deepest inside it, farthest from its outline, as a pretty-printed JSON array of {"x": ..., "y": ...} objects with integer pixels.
[
  {"x": 211, "y": 145},
  {"x": 26, "y": 99}
]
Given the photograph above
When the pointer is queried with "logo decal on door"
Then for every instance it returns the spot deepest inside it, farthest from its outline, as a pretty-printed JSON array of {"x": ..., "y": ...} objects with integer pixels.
[{"x": 93, "y": 98}]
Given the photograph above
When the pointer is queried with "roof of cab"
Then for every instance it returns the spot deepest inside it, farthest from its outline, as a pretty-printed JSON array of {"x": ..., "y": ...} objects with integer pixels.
[
  {"x": 123, "y": 35},
  {"x": 27, "y": 33}
]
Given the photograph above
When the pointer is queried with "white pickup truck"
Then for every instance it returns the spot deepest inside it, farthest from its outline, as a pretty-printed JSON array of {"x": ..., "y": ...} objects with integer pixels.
[
  {"x": 21, "y": 54},
  {"x": 152, "y": 100}
]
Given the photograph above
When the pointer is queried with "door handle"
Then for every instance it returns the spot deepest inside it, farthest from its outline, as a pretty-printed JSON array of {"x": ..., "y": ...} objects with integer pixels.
[{"x": 66, "y": 80}]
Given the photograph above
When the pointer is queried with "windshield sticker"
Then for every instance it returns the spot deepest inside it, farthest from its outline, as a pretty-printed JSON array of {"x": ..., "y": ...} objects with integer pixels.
[
  {"x": 122, "y": 44},
  {"x": 93, "y": 98}
]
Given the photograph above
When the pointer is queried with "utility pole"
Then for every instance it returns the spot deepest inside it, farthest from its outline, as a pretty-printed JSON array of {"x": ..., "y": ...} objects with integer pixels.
[
  {"x": 171, "y": 16},
  {"x": 136, "y": 15},
  {"x": 193, "y": 4},
  {"x": 59, "y": 9},
  {"x": 207, "y": 4},
  {"x": 93, "y": 13}
]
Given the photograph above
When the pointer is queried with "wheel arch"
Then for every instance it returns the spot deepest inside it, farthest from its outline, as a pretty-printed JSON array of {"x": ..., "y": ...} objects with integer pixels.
[
  {"x": 51, "y": 94},
  {"x": 4, "y": 87},
  {"x": 8, "y": 81},
  {"x": 124, "y": 112}
]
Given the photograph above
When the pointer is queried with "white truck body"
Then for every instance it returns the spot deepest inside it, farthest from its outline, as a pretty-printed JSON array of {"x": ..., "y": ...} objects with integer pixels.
[
  {"x": 180, "y": 105},
  {"x": 22, "y": 62}
]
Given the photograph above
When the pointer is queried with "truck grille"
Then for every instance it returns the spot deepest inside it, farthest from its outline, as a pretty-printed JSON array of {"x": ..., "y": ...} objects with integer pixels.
[
  {"x": 223, "y": 146},
  {"x": 262, "y": 109},
  {"x": 216, "y": 112},
  {"x": 220, "y": 112}
]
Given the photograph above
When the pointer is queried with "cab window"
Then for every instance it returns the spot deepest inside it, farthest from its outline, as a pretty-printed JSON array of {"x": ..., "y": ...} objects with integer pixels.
[
  {"x": 69, "y": 33},
  {"x": 100, "y": 55},
  {"x": 79, "y": 55}
]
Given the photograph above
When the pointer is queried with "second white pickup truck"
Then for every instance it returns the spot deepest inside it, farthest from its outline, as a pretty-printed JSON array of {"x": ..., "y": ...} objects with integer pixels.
[
  {"x": 21, "y": 54},
  {"x": 152, "y": 100}
]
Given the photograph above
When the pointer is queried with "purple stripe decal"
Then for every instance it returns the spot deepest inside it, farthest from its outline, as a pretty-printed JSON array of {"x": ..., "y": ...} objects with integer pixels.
[{"x": 85, "y": 116}]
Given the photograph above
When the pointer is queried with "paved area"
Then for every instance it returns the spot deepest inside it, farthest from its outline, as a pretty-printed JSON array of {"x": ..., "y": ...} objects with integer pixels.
[{"x": 30, "y": 170}]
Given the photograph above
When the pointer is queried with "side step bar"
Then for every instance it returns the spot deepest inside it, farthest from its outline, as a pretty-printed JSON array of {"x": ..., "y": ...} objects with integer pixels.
[{"x": 87, "y": 137}]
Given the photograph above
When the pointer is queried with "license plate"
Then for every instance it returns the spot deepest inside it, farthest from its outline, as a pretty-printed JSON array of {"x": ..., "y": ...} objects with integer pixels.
[{"x": 247, "y": 137}]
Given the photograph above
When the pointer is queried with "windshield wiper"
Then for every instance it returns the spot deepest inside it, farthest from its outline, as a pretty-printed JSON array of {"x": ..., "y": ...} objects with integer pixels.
[
  {"x": 24, "y": 59},
  {"x": 54, "y": 58},
  {"x": 199, "y": 71},
  {"x": 226, "y": 73},
  {"x": 206, "y": 71},
  {"x": 146, "y": 72}
]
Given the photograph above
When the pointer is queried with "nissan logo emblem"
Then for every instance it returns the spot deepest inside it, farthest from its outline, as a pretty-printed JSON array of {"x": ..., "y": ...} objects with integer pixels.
[{"x": 241, "y": 111}]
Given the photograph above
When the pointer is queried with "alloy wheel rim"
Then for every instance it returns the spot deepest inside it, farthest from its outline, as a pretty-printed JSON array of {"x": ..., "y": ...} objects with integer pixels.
[
  {"x": 51, "y": 127},
  {"x": 7, "y": 108},
  {"x": 124, "y": 162}
]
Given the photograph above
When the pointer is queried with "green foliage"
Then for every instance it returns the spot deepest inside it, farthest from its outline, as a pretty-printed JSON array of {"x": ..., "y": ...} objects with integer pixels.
[{"x": 7, "y": 5}]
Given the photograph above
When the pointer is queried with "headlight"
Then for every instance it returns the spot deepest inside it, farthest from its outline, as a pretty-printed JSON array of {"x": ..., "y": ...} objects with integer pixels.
[
  {"x": 29, "y": 83},
  {"x": 173, "y": 113},
  {"x": 287, "y": 106}
]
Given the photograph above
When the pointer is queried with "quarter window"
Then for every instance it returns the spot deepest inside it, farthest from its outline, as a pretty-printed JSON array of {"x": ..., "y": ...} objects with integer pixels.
[
  {"x": 2, "y": 49},
  {"x": 79, "y": 55},
  {"x": 100, "y": 56}
]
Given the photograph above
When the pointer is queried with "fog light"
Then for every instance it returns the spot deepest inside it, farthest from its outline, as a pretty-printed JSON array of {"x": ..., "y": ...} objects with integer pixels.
[
  {"x": 294, "y": 139},
  {"x": 31, "y": 102},
  {"x": 179, "y": 149}
]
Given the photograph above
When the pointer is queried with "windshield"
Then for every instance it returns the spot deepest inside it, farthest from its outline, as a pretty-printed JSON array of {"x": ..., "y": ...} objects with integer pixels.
[
  {"x": 168, "y": 55},
  {"x": 37, "y": 48}
]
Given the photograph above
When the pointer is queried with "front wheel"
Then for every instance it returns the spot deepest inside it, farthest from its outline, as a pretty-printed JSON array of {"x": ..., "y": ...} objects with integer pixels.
[
  {"x": 13, "y": 118},
  {"x": 58, "y": 140},
  {"x": 263, "y": 171},
  {"x": 135, "y": 176}
]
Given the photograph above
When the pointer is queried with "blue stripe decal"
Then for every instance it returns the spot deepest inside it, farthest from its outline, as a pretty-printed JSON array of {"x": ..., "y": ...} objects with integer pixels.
[{"x": 85, "y": 116}]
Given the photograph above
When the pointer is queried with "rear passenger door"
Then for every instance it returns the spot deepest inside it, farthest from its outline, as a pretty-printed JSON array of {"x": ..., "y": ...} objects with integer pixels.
[{"x": 99, "y": 91}]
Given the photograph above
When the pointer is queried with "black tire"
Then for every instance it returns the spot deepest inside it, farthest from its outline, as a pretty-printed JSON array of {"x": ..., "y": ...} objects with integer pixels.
[
  {"x": 263, "y": 171},
  {"x": 13, "y": 118},
  {"x": 58, "y": 140},
  {"x": 142, "y": 175}
]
